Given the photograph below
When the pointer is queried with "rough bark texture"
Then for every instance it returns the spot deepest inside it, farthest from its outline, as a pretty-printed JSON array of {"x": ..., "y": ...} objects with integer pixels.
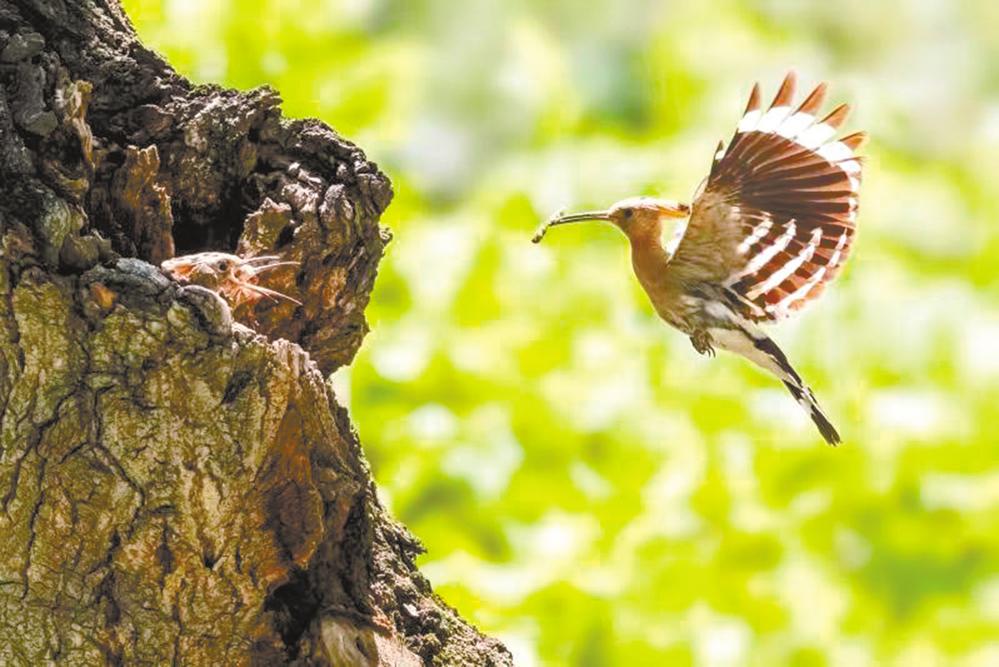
[{"x": 177, "y": 482}]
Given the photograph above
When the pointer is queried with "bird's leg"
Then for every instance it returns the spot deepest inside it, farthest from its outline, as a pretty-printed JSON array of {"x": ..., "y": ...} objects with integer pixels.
[{"x": 701, "y": 341}]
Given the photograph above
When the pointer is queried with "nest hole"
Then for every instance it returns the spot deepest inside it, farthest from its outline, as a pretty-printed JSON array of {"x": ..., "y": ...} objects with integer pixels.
[
  {"x": 294, "y": 605},
  {"x": 200, "y": 232}
]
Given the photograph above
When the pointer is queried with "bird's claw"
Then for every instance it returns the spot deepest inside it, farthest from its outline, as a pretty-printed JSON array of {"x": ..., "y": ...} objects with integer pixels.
[{"x": 702, "y": 343}]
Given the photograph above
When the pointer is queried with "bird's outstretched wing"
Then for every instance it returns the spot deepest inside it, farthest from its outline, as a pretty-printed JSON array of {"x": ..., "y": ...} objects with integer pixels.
[{"x": 777, "y": 214}]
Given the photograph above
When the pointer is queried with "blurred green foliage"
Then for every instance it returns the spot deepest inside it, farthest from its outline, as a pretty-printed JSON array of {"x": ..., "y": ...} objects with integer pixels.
[{"x": 589, "y": 489}]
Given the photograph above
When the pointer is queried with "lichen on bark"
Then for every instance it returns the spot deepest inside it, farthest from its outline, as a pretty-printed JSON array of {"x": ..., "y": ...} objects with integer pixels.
[{"x": 177, "y": 482}]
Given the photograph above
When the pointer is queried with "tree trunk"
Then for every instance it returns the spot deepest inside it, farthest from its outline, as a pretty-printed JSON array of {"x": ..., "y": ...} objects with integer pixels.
[{"x": 177, "y": 482}]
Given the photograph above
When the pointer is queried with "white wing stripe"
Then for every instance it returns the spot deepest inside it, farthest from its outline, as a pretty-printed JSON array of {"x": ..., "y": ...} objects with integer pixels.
[
  {"x": 784, "y": 272},
  {"x": 780, "y": 309},
  {"x": 815, "y": 136},
  {"x": 835, "y": 151},
  {"x": 772, "y": 119},
  {"x": 759, "y": 231},
  {"x": 849, "y": 166},
  {"x": 768, "y": 253},
  {"x": 796, "y": 124},
  {"x": 798, "y": 294},
  {"x": 834, "y": 260},
  {"x": 749, "y": 121}
]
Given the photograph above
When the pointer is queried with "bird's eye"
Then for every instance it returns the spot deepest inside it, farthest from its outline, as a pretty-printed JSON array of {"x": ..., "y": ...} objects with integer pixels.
[
  {"x": 628, "y": 213},
  {"x": 223, "y": 265}
]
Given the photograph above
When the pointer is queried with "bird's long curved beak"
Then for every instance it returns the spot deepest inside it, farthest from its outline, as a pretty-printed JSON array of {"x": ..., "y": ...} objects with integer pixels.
[
  {"x": 267, "y": 258},
  {"x": 571, "y": 217},
  {"x": 577, "y": 217},
  {"x": 255, "y": 269}
]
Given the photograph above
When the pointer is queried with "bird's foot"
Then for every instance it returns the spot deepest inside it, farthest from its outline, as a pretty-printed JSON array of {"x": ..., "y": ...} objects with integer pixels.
[{"x": 702, "y": 343}]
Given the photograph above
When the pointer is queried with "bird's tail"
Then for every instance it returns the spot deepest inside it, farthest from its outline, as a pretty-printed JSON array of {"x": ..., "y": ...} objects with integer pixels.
[
  {"x": 806, "y": 399},
  {"x": 799, "y": 390},
  {"x": 750, "y": 342}
]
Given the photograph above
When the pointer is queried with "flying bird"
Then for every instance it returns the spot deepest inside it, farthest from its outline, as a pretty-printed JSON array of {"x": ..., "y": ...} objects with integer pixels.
[{"x": 768, "y": 229}]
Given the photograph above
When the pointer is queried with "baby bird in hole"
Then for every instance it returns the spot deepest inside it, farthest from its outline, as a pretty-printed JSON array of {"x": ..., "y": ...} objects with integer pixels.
[{"x": 232, "y": 277}]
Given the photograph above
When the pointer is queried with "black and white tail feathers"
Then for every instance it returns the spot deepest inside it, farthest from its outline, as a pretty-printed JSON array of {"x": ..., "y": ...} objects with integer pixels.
[
  {"x": 750, "y": 342},
  {"x": 806, "y": 399},
  {"x": 799, "y": 390}
]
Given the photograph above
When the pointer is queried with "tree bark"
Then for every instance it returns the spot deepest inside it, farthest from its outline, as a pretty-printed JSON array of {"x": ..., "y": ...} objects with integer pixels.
[{"x": 177, "y": 482}]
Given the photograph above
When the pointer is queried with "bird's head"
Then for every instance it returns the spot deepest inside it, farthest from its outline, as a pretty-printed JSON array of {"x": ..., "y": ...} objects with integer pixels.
[
  {"x": 230, "y": 275},
  {"x": 634, "y": 216}
]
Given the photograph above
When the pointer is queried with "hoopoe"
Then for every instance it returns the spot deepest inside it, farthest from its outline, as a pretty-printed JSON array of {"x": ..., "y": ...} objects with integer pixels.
[
  {"x": 769, "y": 227},
  {"x": 232, "y": 277}
]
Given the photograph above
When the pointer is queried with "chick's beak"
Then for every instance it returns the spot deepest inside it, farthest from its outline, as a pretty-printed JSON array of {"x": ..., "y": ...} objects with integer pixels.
[{"x": 254, "y": 269}]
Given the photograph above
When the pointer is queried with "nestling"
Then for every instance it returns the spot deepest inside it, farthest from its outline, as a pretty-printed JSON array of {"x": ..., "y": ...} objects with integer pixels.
[
  {"x": 769, "y": 228},
  {"x": 233, "y": 277}
]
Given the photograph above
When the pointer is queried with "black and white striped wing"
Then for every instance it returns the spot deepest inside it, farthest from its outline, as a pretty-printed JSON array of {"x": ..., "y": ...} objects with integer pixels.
[{"x": 776, "y": 216}]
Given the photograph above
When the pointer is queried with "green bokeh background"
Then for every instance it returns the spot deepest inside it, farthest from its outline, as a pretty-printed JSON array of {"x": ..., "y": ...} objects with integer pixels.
[{"x": 589, "y": 489}]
